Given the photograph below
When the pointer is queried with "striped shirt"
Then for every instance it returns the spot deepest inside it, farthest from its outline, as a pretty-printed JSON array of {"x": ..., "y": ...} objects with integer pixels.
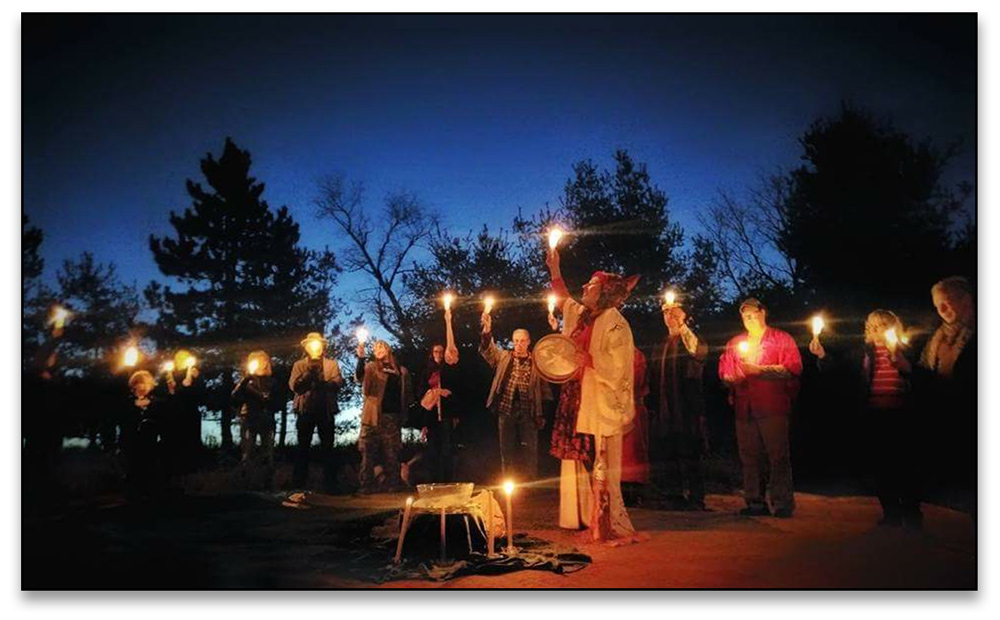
[{"x": 888, "y": 386}]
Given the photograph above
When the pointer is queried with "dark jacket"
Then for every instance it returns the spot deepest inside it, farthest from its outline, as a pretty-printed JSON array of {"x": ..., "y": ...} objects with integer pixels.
[
  {"x": 677, "y": 407},
  {"x": 256, "y": 399},
  {"x": 316, "y": 385}
]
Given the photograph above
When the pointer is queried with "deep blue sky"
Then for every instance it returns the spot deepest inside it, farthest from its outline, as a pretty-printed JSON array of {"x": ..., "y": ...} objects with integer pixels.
[{"x": 477, "y": 115}]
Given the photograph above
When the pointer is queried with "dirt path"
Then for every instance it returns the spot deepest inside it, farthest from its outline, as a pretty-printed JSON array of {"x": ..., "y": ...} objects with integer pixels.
[{"x": 246, "y": 541}]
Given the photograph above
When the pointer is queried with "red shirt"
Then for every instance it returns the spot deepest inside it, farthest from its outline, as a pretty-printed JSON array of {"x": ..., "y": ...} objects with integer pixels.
[
  {"x": 762, "y": 396},
  {"x": 888, "y": 386}
]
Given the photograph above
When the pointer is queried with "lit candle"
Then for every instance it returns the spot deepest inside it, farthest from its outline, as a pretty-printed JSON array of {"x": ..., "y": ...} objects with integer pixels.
[
  {"x": 744, "y": 348},
  {"x": 131, "y": 357},
  {"x": 447, "y": 298},
  {"x": 489, "y": 523},
  {"x": 402, "y": 529},
  {"x": 314, "y": 348},
  {"x": 59, "y": 316},
  {"x": 253, "y": 365},
  {"x": 362, "y": 335},
  {"x": 552, "y": 303},
  {"x": 191, "y": 362},
  {"x": 487, "y": 304},
  {"x": 168, "y": 366},
  {"x": 817, "y": 325},
  {"x": 891, "y": 338},
  {"x": 555, "y": 234},
  {"x": 508, "y": 488},
  {"x": 670, "y": 297},
  {"x": 905, "y": 339}
]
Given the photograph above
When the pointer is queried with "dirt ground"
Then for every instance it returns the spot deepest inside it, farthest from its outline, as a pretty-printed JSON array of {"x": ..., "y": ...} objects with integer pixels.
[{"x": 249, "y": 540}]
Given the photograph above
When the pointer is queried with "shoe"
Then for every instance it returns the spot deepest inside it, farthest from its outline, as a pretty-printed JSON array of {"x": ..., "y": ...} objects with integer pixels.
[
  {"x": 755, "y": 511},
  {"x": 783, "y": 513}
]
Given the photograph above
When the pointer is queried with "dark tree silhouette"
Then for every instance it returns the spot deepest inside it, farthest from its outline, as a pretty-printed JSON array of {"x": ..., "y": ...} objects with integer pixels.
[
  {"x": 247, "y": 281},
  {"x": 34, "y": 296}
]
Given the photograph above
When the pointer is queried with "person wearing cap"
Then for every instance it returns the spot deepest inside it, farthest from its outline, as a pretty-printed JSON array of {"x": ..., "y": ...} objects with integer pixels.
[
  {"x": 516, "y": 396},
  {"x": 602, "y": 401},
  {"x": 315, "y": 381},
  {"x": 678, "y": 426},
  {"x": 762, "y": 369}
]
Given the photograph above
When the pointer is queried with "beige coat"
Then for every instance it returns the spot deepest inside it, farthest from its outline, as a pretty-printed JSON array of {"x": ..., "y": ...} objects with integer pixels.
[{"x": 607, "y": 404}]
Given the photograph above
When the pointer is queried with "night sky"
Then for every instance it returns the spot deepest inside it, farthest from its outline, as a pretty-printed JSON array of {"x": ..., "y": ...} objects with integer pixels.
[{"x": 477, "y": 115}]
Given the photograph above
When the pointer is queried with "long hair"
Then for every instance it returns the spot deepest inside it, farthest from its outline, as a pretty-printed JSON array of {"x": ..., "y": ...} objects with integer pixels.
[
  {"x": 390, "y": 359},
  {"x": 878, "y": 322}
]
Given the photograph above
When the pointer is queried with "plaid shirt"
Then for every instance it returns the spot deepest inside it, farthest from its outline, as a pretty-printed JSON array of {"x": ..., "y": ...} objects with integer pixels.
[{"x": 518, "y": 389}]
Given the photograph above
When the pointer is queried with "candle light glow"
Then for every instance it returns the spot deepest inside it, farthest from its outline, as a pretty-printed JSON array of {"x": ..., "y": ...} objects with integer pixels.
[
  {"x": 488, "y": 304},
  {"x": 744, "y": 348},
  {"x": 670, "y": 298},
  {"x": 447, "y": 298},
  {"x": 552, "y": 303},
  {"x": 891, "y": 338},
  {"x": 253, "y": 365},
  {"x": 817, "y": 325},
  {"x": 554, "y": 236},
  {"x": 362, "y": 335},
  {"x": 168, "y": 366},
  {"x": 59, "y": 316},
  {"x": 131, "y": 357}
]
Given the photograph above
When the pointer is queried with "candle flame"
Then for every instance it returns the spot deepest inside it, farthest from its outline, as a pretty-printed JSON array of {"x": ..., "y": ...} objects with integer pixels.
[
  {"x": 191, "y": 362},
  {"x": 59, "y": 316},
  {"x": 744, "y": 348},
  {"x": 362, "y": 335},
  {"x": 409, "y": 501},
  {"x": 253, "y": 365},
  {"x": 447, "y": 298},
  {"x": 552, "y": 302},
  {"x": 817, "y": 325},
  {"x": 168, "y": 366},
  {"x": 905, "y": 338},
  {"x": 890, "y": 337},
  {"x": 508, "y": 487},
  {"x": 670, "y": 297},
  {"x": 554, "y": 236},
  {"x": 314, "y": 347},
  {"x": 488, "y": 304},
  {"x": 131, "y": 357}
]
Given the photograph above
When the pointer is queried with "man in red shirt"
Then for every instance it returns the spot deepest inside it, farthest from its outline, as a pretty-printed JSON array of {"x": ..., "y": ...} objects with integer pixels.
[{"x": 761, "y": 368}]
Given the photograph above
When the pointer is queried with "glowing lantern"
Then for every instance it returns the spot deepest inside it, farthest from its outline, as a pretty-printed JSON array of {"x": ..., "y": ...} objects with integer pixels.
[
  {"x": 554, "y": 236},
  {"x": 817, "y": 325}
]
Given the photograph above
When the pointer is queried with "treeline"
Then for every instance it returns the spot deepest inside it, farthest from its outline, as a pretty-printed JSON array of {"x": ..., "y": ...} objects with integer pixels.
[{"x": 863, "y": 220}]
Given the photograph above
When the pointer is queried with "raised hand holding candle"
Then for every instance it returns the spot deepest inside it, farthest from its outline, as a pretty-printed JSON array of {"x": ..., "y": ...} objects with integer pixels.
[
  {"x": 362, "y": 335},
  {"x": 488, "y": 304},
  {"x": 670, "y": 298},
  {"x": 555, "y": 234},
  {"x": 552, "y": 304},
  {"x": 447, "y": 298},
  {"x": 817, "y": 325}
]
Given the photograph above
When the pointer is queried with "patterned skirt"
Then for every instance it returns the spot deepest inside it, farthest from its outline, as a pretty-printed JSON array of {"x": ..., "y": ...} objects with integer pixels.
[{"x": 567, "y": 444}]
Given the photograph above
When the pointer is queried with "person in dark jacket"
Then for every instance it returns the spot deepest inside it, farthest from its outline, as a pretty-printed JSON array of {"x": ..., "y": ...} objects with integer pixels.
[
  {"x": 678, "y": 428},
  {"x": 949, "y": 369},
  {"x": 142, "y": 432},
  {"x": 183, "y": 394},
  {"x": 316, "y": 382},
  {"x": 256, "y": 401},
  {"x": 388, "y": 393}
]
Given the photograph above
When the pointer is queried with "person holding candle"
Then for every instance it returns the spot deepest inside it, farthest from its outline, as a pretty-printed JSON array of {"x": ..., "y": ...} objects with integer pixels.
[
  {"x": 949, "y": 368},
  {"x": 388, "y": 393},
  {"x": 597, "y": 406},
  {"x": 256, "y": 399},
  {"x": 183, "y": 395},
  {"x": 679, "y": 428},
  {"x": 315, "y": 381},
  {"x": 762, "y": 369},
  {"x": 142, "y": 431},
  {"x": 515, "y": 396},
  {"x": 441, "y": 411},
  {"x": 888, "y": 415}
]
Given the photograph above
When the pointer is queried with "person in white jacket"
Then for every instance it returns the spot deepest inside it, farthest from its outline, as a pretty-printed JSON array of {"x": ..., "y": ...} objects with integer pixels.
[{"x": 595, "y": 407}]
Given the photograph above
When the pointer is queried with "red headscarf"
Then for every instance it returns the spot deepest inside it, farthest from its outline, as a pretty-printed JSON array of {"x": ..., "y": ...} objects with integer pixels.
[{"x": 615, "y": 289}]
